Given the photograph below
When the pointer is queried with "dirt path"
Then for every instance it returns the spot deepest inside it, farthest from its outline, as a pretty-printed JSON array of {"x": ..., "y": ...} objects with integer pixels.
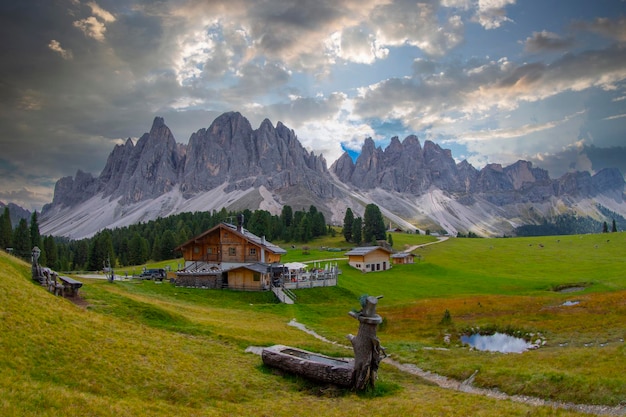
[
  {"x": 467, "y": 387},
  {"x": 439, "y": 240}
]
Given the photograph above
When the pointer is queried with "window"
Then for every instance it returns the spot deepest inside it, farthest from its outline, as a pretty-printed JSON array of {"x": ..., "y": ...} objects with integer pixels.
[
  {"x": 196, "y": 249},
  {"x": 232, "y": 251},
  {"x": 256, "y": 276},
  {"x": 209, "y": 251},
  {"x": 253, "y": 251}
]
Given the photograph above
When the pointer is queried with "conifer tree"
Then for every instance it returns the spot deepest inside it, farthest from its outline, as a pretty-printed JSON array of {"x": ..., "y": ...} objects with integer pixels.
[
  {"x": 614, "y": 227},
  {"x": 50, "y": 248},
  {"x": 21, "y": 240},
  {"x": 6, "y": 229},
  {"x": 348, "y": 220},
  {"x": 35, "y": 238},
  {"x": 357, "y": 230},
  {"x": 373, "y": 224}
]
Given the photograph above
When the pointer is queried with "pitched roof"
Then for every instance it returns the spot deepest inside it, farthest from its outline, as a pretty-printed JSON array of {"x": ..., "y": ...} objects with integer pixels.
[
  {"x": 256, "y": 267},
  {"x": 244, "y": 233},
  {"x": 402, "y": 255},
  {"x": 364, "y": 250}
]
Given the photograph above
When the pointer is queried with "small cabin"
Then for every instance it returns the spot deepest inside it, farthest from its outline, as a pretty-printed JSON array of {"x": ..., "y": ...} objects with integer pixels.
[
  {"x": 403, "y": 258},
  {"x": 369, "y": 258},
  {"x": 228, "y": 256}
]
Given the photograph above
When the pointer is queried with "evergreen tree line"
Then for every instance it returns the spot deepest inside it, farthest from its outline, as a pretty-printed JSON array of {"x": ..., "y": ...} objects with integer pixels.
[
  {"x": 566, "y": 224},
  {"x": 367, "y": 230},
  {"x": 154, "y": 240}
]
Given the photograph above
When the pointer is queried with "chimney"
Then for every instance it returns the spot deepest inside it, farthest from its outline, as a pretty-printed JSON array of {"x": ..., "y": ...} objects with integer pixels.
[{"x": 240, "y": 222}]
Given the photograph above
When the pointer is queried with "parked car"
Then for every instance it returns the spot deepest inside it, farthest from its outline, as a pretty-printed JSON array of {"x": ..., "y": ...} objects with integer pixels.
[{"x": 156, "y": 274}]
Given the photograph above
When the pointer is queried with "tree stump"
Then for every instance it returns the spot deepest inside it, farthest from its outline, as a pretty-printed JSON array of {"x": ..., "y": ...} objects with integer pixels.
[{"x": 367, "y": 349}]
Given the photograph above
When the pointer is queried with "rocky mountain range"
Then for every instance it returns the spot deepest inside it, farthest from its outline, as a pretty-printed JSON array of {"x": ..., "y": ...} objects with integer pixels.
[
  {"x": 232, "y": 165},
  {"x": 16, "y": 213}
]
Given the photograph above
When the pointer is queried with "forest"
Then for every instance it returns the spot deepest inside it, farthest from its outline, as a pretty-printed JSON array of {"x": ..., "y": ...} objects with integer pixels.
[
  {"x": 154, "y": 240},
  {"x": 570, "y": 224}
]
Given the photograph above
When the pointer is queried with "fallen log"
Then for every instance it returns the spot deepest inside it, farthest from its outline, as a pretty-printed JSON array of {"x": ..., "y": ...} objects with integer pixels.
[{"x": 311, "y": 365}]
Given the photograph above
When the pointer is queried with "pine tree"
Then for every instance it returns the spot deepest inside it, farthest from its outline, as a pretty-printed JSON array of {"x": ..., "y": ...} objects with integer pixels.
[
  {"x": 373, "y": 224},
  {"x": 287, "y": 216},
  {"x": 390, "y": 239},
  {"x": 156, "y": 250},
  {"x": 35, "y": 237},
  {"x": 357, "y": 230},
  {"x": 348, "y": 220},
  {"x": 52, "y": 255},
  {"x": 605, "y": 228},
  {"x": 614, "y": 227},
  {"x": 168, "y": 243},
  {"x": 81, "y": 255},
  {"x": 6, "y": 229},
  {"x": 101, "y": 251},
  {"x": 21, "y": 240}
]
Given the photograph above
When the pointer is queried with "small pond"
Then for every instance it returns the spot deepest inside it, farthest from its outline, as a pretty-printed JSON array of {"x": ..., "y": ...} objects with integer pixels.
[{"x": 498, "y": 342}]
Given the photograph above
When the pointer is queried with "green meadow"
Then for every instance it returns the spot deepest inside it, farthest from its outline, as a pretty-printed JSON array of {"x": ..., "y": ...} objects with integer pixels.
[{"x": 143, "y": 348}]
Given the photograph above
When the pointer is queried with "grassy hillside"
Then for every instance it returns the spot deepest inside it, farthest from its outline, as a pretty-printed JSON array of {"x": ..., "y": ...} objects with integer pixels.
[{"x": 142, "y": 348}]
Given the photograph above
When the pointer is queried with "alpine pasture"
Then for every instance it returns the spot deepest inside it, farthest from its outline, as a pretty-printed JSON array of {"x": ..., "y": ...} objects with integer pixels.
[{"x": 144, "y": 348}]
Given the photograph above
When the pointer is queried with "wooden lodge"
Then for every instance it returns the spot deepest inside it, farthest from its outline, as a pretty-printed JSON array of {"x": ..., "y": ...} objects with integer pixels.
[
  {"x": 403, "y": 258},
  {"x": 369, "y": 258},
  {"x": 228, "y": 256}
]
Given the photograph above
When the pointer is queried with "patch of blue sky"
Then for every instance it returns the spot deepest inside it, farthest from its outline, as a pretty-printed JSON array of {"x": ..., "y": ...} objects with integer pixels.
[
  {"x": 349, "y": 76},
  {"x": 354, "y": 154}
]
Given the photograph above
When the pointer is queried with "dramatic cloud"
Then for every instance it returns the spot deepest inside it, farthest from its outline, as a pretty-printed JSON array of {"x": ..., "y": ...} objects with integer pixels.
[{"x": 494, "y": 80}]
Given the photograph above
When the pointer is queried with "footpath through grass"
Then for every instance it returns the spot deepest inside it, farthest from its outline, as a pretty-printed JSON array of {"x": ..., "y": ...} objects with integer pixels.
[{"x": 145, "y": 348}]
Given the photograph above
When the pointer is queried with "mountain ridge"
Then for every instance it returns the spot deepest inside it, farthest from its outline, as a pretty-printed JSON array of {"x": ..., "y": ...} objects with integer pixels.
[{"x": 230, "y": 164}]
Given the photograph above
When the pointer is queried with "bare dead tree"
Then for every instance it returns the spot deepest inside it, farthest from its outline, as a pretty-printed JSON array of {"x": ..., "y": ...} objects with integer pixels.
[{"x": 367, "y": 349}]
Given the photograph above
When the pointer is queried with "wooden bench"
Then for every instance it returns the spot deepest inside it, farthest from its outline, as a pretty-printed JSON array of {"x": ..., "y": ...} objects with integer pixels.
[{"x": 70, "y": 286}]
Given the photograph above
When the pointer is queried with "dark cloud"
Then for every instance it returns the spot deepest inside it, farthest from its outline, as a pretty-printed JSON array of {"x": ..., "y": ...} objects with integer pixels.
[
  {"x": 547, "y": 41},
  {"x": 613, "y": 157},
  {"x": 607, "y": 27},
  {"x": 301, "y": 110},
  {"x": 79, "y": 76}
]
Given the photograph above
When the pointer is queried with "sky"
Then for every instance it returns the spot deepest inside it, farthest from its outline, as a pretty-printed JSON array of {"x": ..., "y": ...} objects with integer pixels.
[{"x": 495, "y": 81}]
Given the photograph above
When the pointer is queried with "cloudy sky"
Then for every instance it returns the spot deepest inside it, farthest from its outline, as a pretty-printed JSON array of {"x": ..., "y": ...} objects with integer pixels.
[{"x": 492, "y": 80}]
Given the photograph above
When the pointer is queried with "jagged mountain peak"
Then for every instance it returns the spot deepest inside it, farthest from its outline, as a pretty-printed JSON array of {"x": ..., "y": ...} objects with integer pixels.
[
  {"x": 157, "y": 123},
  {"x": 230, "y": 164}
]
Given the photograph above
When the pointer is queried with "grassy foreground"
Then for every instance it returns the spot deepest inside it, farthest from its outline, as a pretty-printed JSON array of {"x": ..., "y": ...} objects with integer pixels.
[{"x": 142, "y": 348}]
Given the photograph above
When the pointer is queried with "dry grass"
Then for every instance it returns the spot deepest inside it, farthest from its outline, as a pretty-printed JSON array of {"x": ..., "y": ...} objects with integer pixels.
[{"x": 153, "y": 349}]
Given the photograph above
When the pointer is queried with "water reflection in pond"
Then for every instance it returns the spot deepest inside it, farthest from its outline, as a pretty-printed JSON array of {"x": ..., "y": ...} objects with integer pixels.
[{"x": 498, "y": 342}]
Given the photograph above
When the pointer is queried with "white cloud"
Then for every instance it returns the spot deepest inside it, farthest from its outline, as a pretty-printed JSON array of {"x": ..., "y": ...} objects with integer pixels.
[
  {"x": 55, "y": 46},
  {"x": 416, "y": 24},
  {"x": 101, "y": 13},
  {"x": 95, "y": 26},
  {"x": 92, "y": 27},
  {"x": 356, "y": 44},
  {"x": 491, "y": 14},
  {"x": 512, "y": 132},
  {"x": 617, "y": 116}
]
